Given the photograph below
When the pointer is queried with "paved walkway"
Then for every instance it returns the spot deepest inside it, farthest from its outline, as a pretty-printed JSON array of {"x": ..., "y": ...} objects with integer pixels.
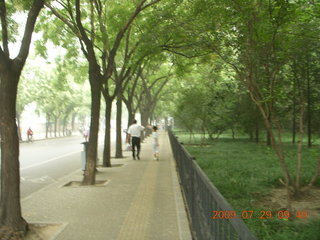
[{"x": 141, "y": 200}]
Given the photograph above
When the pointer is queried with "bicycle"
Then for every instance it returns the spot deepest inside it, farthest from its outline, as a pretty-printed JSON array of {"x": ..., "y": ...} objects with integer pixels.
[{"x": 30, "y": 138}]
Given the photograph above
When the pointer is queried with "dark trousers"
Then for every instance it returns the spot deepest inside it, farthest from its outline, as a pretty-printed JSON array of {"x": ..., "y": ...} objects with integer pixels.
[{"x": 135, "y": 144}]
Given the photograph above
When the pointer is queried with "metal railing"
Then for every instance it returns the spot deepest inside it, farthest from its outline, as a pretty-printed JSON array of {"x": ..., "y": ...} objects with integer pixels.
[{"x": 203, "y": 198}]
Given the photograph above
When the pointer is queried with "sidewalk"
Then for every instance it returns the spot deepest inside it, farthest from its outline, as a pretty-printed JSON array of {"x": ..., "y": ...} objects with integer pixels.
[{"x": 141, "y": 200}]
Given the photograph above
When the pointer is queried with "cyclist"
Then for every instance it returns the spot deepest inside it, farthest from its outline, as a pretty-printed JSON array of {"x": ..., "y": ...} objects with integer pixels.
[{"x": 29, "y": 134}]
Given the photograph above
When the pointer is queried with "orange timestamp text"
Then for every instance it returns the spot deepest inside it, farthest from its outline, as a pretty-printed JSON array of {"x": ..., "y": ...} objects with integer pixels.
[{"x": 263, "y": 214}]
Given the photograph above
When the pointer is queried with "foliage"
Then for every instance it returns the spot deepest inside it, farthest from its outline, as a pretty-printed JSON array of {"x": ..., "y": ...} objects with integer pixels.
[
  {"x": 210, "y": 100},
  {"x": 268, "y": 52},
  {"x": 58, "y": 92},
  {"x": 245, "y": 173}
]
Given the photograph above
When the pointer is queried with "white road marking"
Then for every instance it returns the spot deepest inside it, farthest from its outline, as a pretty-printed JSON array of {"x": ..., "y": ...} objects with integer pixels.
[
  {"x": 37, "y": 180},
  {"x": 49, "y": 160}
]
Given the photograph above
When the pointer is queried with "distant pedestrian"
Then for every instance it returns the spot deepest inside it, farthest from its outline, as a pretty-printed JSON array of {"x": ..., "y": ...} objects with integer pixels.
[
  {"x": 155, "y": 145},
  {"x": 134, "y": 134},
  {"x": 29, "y": 134},
  {"x": 86, "y": 134}
]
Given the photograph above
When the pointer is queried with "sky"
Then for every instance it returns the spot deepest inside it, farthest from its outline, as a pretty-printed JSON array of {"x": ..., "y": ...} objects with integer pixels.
[
  {"x": 53, "y": 51},
  {"x": 29, "y": 117}
]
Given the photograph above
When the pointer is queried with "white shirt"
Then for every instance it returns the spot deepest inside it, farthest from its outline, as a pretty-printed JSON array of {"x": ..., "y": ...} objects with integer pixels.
[
  {"x": 155, "y": 138},
  {"x": 135, "y": 130}
]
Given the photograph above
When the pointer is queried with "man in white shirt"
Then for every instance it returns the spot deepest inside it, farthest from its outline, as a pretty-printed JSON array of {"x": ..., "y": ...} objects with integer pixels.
[{"x": 134, "y": 133}]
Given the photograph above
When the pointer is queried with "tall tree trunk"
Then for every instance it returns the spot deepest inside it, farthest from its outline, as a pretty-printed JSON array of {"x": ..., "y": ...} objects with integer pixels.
[
  {"x": 251, "y": 135},
  {"x": 166, "y": 123},
  {"x": 131, "y": 117},
  {"x": 299, "y": 152},
  {"x": 309, "y": 110},
  {"x": 10, "y": 208},
  {"x": 59, "y": 127},
  {"x": 233, "y": 133},
  {"x": 316, "y": 175},
  {"x": 144, "y": 122},
  {"x": 91, "y": 159},
  {"x": 10, "y": 71},
  {"x": 50, "y": 129},
  {"x": 268, "y": 132},
  {"x": 107, "y": 146},
  {"x": 131, "y": 114},
  {"x": 55, "y": 126},
  {"x": 257, "y": 131},
  {"x": 294, "y": 125},
  {"x": 47, "y": 125},
  {"x": 73, "y": 122},
  {"x": 294, "y": 107},
  {"x": 19, "y": 125},
  {"x": 119, "y": 126},
  {"x": 64, "y": 127}
]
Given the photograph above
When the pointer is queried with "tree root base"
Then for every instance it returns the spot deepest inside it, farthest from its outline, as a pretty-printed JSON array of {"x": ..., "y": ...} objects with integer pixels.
[{"x": 7, "y": 233}]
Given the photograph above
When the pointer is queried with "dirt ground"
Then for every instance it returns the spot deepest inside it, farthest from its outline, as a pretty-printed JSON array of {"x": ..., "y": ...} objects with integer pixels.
[
  {"x": 37, "y": 231},
  {"x": 43, "y": 231},
  {"x": 308, "y": 202}
]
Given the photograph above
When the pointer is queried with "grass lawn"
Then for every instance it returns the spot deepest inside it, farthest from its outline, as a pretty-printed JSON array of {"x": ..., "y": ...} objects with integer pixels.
[{"x": 248, "y": 175}]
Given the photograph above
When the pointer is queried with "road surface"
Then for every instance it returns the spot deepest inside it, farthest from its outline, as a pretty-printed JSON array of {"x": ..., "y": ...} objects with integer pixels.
[{"x": 43, "y": 162}]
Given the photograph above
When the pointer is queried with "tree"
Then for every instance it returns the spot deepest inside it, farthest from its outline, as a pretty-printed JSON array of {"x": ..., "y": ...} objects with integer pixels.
[
  {"x": 304, "y": 66},
  {"x": 10, "y": 71},
  {"x": 129, "y": 94},
  {"x": 152, "y": 84},
  {"x": 210, "y": 100},
  {"x": 263, "y": 53},
  {"x": 58, "y": 92},
  {"x": 87, "y": 22},
  {"x": 123, "y": 75},
  {"x": 255, "y": 39},
  {"x": 109, "y": 95}
]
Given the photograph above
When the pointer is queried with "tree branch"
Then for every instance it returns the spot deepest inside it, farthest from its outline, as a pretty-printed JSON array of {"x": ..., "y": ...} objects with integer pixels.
[
  {"x": 150, "y": 4},
  {"x": 155, "y": 81},
  {"x": 64, "y": 19},
  {"x": 82, "y": 30},
  {"x": 136, "y": 80},
  {"x": 182, "y": 54},
  {"x": 89, "y": 44},
  {"x": 85, "y": 53},
  {"x": 160, "y": 88},
  {"x": 92, "y": 21},
  {"x": 98, "y": 7},
  {"x": 121, "y": 33},
  {"x": 4, "y": 26},
  {"x": 31, "y": 21}
]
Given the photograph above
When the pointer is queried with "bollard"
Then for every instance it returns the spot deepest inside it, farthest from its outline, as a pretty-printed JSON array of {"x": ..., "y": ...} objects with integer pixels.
[{"x": 84, "y": 155}]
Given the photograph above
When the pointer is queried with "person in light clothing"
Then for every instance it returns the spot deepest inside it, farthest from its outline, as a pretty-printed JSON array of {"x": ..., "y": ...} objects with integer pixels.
[
  {"x": 155, "y": 145},
  {"x": 134, "y": 134}
]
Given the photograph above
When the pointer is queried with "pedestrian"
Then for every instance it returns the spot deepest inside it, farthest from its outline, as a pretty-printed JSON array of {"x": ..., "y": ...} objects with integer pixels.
[
  {"x": 86, "y": 134},
  {"x": 29, "y": 134},
  {"x": 134, "y": 134},
  {"x": 155, "y": 145}
]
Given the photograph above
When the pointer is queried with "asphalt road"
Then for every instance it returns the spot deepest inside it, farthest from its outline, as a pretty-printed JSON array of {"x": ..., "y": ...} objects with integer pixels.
[{"x": 43, "y": 162}]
